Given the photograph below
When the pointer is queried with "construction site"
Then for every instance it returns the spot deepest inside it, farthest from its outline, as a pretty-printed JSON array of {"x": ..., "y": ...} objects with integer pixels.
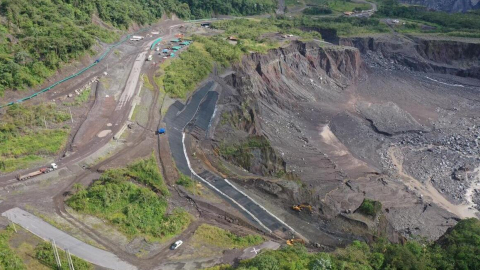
[{"x": 313, "y": 144}]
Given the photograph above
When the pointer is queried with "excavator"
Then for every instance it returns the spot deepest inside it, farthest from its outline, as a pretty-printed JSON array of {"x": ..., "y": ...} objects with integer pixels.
[
  {"x": 293, "y": 241},
  {"x": 300, "y": 207}
]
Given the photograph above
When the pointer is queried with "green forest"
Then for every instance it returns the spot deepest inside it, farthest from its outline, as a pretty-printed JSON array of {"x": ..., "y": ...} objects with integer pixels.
[
  {"x": 459, "y": 248},
  {"x": 39, "y": 36}
]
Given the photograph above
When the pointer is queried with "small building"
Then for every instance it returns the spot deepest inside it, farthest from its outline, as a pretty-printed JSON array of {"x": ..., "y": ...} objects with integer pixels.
[
  {"x": 176, "y": 48},
  {"x": 165, "y": 51},
  {"x": 179, "y": 36},
  {"x": 205, "y": 24},
  {"x": 232, "y": 38},
  {"x": 174, "y": 40},
  {"x": 348, "y": 13}
]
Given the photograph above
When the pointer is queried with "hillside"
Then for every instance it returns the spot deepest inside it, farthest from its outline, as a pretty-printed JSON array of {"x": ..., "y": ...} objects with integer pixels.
[
  {"x": 37, "y": 37},
  {"x": 446, "y": 5},
  {"x": 458, "y": 249}
]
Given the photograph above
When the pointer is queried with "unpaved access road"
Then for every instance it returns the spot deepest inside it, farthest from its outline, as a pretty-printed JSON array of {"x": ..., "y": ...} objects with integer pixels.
[
  {"x": 66, "y": 242},
  {"x": 117, "y": 119}
]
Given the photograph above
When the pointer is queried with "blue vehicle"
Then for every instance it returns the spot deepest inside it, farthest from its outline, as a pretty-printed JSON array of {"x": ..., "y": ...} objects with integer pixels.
[
  {"x": 161, "y": 131},
  {"x": 96, "y": 61}
]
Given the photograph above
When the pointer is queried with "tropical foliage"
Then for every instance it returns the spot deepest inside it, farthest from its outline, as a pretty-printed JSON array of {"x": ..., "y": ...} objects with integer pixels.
[
  {"x": 459, "y": 248},
  {"x": 37, "y": 37}
]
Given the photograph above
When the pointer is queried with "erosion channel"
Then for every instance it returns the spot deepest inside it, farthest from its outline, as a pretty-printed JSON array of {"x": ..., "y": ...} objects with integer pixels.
[{"x": 392, "y": 119}]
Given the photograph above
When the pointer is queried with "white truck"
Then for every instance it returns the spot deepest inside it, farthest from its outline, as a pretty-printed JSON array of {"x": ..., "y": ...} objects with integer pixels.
[
  {"x": 150, "y": 57},
  {"x": 136, "y": 38},
  {"x": 48, "y": 169}
]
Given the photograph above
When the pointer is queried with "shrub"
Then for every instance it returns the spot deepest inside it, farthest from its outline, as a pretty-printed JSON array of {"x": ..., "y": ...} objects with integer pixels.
[{"x": 369, "y": 207}]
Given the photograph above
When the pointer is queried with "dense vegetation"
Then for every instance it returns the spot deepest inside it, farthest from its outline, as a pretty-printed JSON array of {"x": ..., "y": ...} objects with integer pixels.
[
  {"x": 146, "y": 172},
  {"x": 8, "y": 258},
  {"x": 214, "y": 236},
  {"x": 321, "y": 10},
  {"x": 44, "y": 253},
  {"x": 458, "y": 249},
  {"x": 370, "y": 207},
  {"x": 38, "y": 36},
  {"x": 183, "y": 74},
  {"x": 205, "y": 9},
  {"x": 343, "y": 26},
  {"x": 27, "y": 133},
  {"x": 455, "y": 24},
  {"x": 339, "y": 5},
  {"x": 118, "y": 198}
]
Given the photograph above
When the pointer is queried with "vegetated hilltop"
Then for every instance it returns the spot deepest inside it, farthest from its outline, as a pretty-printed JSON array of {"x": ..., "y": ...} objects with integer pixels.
[
  {"x": 459, "y": 248},
  {"x": 446, "y": 5},
  {"x": 36, "y": 37}
]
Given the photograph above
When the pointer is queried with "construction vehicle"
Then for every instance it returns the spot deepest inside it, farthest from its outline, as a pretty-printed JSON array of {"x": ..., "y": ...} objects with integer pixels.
[
  {"x": 300, "y": 207},
  {"x": 293, "y": 241},
  {"x": 48, "y": 169}
]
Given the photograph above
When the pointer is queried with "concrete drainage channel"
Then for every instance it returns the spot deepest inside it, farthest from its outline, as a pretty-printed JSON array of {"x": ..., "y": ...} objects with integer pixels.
[{"x": 177, "y": 118}]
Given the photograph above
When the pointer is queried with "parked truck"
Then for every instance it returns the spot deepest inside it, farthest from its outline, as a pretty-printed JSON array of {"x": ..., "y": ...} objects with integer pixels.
[{"x": 48, "y": 169}]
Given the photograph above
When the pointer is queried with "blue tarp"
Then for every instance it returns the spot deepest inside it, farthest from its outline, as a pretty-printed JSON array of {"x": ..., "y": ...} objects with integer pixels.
[{"x": 155, "y": 43}]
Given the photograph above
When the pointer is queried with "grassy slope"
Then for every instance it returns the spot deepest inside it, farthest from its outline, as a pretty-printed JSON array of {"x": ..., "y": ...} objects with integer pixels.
[
  {"x": 214, "y": 236},
  {"x": 25, "y": 138},
  {"x": 118, "y": 198}
]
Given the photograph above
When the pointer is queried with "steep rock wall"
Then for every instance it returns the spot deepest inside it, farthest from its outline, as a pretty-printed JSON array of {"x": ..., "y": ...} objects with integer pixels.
[
  {"x": 288, "y": 95},
  {"x": 461, "y": 58}
]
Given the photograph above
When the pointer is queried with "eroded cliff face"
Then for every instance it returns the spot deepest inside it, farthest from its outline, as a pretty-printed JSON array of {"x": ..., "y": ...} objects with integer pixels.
[
  {"x": 347, "y": 124},
  {"x": 461, "y": 58},
  {"x": 288, "y": 95}
]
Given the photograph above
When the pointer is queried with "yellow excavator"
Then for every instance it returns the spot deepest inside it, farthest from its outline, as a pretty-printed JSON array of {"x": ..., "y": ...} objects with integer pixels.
[
  {"x": 300, "y": 207},
  {"x": 293, "y": 241}
]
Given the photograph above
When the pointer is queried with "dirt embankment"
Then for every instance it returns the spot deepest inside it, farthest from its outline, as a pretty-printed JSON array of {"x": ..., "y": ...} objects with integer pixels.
[
  {"x": 332, "y": 114},
  {"x": 461, "y": 58}
]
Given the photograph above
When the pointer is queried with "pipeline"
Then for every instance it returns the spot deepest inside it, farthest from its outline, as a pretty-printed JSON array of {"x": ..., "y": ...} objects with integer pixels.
[{"x": 78, "y": 73}]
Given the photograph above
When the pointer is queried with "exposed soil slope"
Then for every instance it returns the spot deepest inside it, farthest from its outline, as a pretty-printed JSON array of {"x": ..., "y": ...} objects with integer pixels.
[{"x": 333, "y": 113}]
